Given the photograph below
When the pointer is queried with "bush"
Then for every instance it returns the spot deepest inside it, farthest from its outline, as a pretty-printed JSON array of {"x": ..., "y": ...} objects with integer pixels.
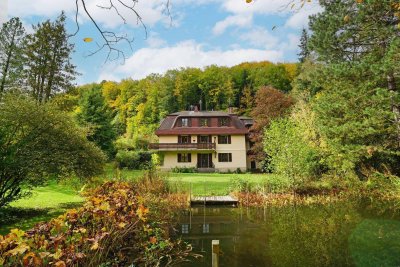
[
  {"x": 238, "y": 184},
  {"x": 184, "y": 170},
  {"x": 115, "y": 227},
  {"x": 134, "y": 160},
  {"x": 277, "y": 184}
]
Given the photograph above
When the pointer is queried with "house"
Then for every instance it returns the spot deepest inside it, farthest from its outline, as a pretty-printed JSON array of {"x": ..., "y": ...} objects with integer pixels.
[{"x": 205, "y": 140}]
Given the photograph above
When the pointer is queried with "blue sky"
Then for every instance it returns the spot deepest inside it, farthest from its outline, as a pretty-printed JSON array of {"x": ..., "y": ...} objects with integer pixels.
[{"x": 201, "y": 33}]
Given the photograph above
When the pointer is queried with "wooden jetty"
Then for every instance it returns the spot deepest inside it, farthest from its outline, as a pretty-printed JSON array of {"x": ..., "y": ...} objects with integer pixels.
[{"x": 214, "y": 200}]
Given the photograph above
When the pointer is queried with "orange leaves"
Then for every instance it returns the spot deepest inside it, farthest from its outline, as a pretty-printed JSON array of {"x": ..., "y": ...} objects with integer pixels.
[
  {"x": 153, "y": 240},
  {"x": 142, "y": 212},
  {"x": 31, "y": 259},
  {"x": 60, "y": 264}
]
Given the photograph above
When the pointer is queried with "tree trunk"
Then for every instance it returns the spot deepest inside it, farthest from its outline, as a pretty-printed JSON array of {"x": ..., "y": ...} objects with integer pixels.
[{"x": 395, "y": 106}]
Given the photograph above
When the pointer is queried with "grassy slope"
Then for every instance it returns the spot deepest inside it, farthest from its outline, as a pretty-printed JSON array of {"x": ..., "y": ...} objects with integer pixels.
[{"x": 45, "y": 203}]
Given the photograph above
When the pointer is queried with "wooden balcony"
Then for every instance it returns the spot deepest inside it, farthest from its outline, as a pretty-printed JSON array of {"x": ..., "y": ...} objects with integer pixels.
[{"x": 182, "y": 147}]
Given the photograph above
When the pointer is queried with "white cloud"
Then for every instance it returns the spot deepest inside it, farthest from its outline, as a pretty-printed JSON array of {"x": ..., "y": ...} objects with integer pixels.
[
  {"x": 3, "y": 11},
  {"x": 260, "y": 37},
  {"x": 155, "y": 41},
  {"x": 47, "y": 8},
  {"x": 185, "y": 54},
  {"x": 299, "y": 19},
  {"x": 238, "y": 20}
]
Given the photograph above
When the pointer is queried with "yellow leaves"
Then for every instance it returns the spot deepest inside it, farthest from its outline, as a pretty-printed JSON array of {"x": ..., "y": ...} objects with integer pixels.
[
  {"x": 20, "y": 249},
  {"x": 249, "y": 1},
  {"x": 346, "y": 18},
  {"x": 359, "y": 1},
  {"x": 121, "y": 225},
  {"x": 87, "y": 39},
  {"x": 18, "y": 233},
  {"x": 105, "y": 206},
  {"x": 95, "y": 246},
  {"x": 141, "y": 212}
]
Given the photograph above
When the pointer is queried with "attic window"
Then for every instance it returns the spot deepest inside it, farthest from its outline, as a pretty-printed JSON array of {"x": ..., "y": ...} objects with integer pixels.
[
  {"x": 185, "y": 122},
  {"x": 224, "y": 121}
]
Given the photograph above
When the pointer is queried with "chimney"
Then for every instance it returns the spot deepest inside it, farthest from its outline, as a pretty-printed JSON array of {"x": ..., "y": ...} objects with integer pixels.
[{"x": 196, "y": 108}]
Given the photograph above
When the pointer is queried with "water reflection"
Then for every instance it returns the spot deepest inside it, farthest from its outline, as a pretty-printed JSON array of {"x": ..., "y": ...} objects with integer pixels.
[{"x": 321, "y": 235}]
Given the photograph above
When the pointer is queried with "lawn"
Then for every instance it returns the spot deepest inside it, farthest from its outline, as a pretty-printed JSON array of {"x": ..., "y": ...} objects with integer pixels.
[
  {"x": 53, "y": 199},
  {"x": 45, "y": 203}
]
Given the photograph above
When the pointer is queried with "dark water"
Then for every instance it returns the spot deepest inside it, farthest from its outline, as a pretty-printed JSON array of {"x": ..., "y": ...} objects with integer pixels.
[{"x": 341, "y": 234}]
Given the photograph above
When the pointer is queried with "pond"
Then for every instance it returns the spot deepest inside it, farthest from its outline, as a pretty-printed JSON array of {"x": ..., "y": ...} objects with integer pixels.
[{"x": 340, "y": 234}]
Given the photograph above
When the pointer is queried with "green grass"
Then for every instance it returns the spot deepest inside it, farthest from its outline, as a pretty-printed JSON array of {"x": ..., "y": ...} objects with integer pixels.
[{"x": 45, "y": 203}]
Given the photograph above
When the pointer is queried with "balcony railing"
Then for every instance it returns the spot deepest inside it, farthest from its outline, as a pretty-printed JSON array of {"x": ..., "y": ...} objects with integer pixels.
[{"x": 179, "y": 146}]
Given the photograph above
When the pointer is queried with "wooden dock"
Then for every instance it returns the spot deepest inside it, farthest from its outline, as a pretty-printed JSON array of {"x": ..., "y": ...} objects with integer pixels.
[{"x": 214, "y": 200}]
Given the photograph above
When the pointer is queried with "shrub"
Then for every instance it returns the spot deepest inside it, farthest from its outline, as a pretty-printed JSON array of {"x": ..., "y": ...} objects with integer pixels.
[
  {"x": 184, "y": 170},
  {"x": 115, "y": 227},
  {"x": 135, "y": 160},
  {"x": 238, "y": 184}
]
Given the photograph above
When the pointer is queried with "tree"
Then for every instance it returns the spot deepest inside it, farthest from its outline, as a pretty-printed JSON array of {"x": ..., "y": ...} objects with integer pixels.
[
  {"x": 48, "y": 59},
  {"x": 270, "y": 104},
  {"x": 12, "y": 36},
  {"x": 304, "y": 51},
  {"x": 361, "y": 33},
  {"x": 38, "y": 142},
  {"x": 96, "y": 116}
]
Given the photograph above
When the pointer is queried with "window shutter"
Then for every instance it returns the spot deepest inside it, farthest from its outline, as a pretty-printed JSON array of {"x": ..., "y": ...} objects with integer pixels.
[
  {"x": 190, "y": 122},
  {"x": 209, "y": 139},
  {"x": 229, "y": 139},
  {"x": 179, "y": 157},
  {"x": 179, "y": 139},
  {"x": 230, "y": 157},
  {"x": 189, "y": 157},
  {"x": 190, "y": 139}
]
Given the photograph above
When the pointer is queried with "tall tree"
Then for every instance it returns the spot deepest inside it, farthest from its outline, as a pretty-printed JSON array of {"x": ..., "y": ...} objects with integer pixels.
[
  {"x": 12, "y": 35},
  {"x": 270, "y": 104},
  {"x": 48, "y": 56},
  {"x": 361, "y": 33},
  {"x": 95, "y": 115},
  {"x": 304, "y": 51}
]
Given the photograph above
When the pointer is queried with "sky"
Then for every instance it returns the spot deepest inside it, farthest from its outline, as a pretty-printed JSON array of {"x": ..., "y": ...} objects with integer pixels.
[{"x": 195, "y": 33}]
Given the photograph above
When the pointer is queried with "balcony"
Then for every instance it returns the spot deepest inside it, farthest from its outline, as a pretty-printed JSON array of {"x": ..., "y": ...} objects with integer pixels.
[{"x": 182, "y": 147}]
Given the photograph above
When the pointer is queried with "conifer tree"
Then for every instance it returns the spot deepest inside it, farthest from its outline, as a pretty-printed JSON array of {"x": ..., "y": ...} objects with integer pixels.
[
  {"x": 48, "y": 56},
  {"x": 12, "y": 35},
  {"x": 304, "y": 51}
]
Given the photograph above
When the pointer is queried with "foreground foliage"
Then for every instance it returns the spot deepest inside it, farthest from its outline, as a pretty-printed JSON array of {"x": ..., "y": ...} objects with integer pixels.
[
  {"x": 115, "y": 227},
  {"x": 38, "y": 142}
]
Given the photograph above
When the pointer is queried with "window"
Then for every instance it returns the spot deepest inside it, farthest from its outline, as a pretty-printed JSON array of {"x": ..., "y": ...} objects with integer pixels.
[
  {"x": 203, "y": 122},
  {"x": 184, "y": 139},
  {"x": 184, "y": 157},
  {"x": 203, "y": 139},
  {"x": 206, "y": 228},
  {"x": 225, "y": 157},
  {"x": 185, "y": 228},
  {"x": 224, "y": 121},
  {"x": 224, "y": 139},
  {"x": 185, "y": 122}
]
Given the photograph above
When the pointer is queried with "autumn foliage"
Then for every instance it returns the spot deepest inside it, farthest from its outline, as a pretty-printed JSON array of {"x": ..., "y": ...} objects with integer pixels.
[
  {"x": 270, "y": 104},
  {"x": 115, "y": 227}
]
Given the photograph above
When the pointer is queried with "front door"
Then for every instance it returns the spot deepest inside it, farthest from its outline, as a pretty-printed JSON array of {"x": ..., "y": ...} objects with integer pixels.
[{"x": 204, "y": 160}]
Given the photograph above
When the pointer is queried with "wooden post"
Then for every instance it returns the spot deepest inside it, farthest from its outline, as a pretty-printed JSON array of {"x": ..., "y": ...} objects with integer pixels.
[{"x": 215, "y": 253}]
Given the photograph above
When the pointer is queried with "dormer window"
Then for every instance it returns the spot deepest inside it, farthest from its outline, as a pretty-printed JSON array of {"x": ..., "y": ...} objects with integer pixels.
[
  {"x": 185, "y": 122},
  {"x": 224, "y": 121},
  {"x": 203, "y": 122}
]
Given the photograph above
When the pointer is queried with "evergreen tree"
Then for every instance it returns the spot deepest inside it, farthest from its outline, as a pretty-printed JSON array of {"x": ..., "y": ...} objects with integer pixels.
[
  {"x": 96, "y": 116},
  {"x": 304, "y": 51},
  {"x": 12, "y": 35},
  {"x": 48, "y": 57}
]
